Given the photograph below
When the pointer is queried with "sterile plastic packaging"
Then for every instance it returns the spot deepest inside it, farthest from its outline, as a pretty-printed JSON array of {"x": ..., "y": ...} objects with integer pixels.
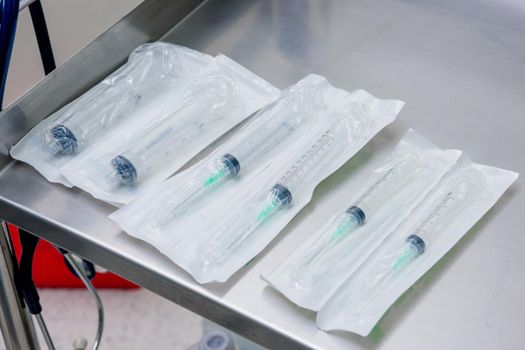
[
  {"x": 239, "y": 220},
  {"x": 459, "y": 200},
  {"x": 313, "y": 273},
  {"x": 156, "y": 216},
  {"x": 280, "y": 195},
  {"x": 221, "y": 97},
  {"x": 153, "y": 70},
  {"x": 269, "y": 131}
]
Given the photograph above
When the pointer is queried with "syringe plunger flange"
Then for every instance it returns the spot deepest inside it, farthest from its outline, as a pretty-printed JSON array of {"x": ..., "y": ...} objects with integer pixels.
[
  {"x": 63, "y": 139},
  {"x": 417, "y": 242},
  {"x": 124, "y": 170},
  {"x": 231, "y": 164},
  {"x": 358, "y": 214}
]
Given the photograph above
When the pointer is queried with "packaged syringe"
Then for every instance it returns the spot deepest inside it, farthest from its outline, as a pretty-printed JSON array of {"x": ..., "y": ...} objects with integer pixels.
[
  {"x": 315, "y": 270},
  {"x": 460, "y": 199},
  {"x": 119, "y": 170},
  {"x": 234, "y": 222},
  {"x": 154, "y": 76},
  {"x": 270, "y": 133},
  {"x": 272, "y": 129}
]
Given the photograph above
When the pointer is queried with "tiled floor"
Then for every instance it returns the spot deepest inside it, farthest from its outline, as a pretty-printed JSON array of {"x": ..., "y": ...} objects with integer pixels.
[{"x": 135, "y": 319}]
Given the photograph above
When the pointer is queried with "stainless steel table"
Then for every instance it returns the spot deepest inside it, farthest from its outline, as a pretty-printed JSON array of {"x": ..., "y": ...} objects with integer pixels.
[{"x": 460, "y": 66}]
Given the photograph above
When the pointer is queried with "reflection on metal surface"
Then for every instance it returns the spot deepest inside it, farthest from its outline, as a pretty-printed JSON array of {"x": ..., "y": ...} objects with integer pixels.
[
  {"x": 24, "y": 3},
  {"x": 461, "y": 73},
  {"x": 15, "y": 321}
]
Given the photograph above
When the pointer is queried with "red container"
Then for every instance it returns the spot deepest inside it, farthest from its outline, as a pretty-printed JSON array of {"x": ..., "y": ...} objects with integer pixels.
[{"x": 49, "y": 268}]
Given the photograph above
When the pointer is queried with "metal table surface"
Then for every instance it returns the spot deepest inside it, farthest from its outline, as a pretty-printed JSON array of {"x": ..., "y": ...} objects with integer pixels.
[{"x": 460, "y": 66}]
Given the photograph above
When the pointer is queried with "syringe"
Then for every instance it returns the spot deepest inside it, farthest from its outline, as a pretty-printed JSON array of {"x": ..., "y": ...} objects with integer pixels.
[
  {"x": 251, "y": 148},
  {"x": 279, "y": 197},
  {"x": 150, "y": 67},
  {"x": 375, "y": 197},
  {"x": 416, "y": 244},
  {"x": 208, "y": 99}
]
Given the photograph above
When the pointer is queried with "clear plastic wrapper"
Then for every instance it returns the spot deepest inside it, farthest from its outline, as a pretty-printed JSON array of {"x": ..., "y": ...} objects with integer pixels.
[
  {"x": 443, "y": 217},
  {"x": 262, "y": 201},
  {"x": 321, "y": 264},
  {"x": 117, "y": 171},
  {"x": 391, "y": 180},
  {"x": 153, "y": 70},
  {"x": 277, "y": 123},
  {"x": 281, "y": 194},
  {"x": 208, "y": 100},
  {"x": 247, "y": 152}
]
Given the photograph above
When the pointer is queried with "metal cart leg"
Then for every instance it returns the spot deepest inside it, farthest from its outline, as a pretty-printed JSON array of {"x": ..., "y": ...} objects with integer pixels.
[{"x": 15, "y": 321}]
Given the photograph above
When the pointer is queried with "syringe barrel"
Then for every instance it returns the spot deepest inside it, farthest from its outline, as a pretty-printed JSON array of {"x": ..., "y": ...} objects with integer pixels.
[
  {"x": 150, "y": 150},
  {"x": 202, "y": 106},
  {"x": 238, "y": 230},
  {"x": 284, "y": 120},
  {"x": 444, "y": 212},
  {"x": 145, "y": 153},
  {"x": 288, "y": 114},
  {"x": 258, "y": 143},
  {"x": 97, "y": 117},
  {"x": 296, "y": 175},
  {"x": 87, "y": 120},
  {"x": 384, "y": 189},
  {"x": 150, "y": 67},
  {"x": 207, "y": 176}
]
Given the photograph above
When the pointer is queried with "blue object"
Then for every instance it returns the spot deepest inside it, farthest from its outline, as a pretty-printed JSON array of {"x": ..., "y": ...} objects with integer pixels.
[
  {"x": 216, "y": 340},
  {"x": 9, "y": 17},
  {"x": 124, "y": 170},
  {"x": 65, "y": 139},
  {"x": 282, "y": 193},
  {"x": 358, "y": 214},
  {"x": 417, "y": 242},
  {"x": 232, "y": 164}
]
